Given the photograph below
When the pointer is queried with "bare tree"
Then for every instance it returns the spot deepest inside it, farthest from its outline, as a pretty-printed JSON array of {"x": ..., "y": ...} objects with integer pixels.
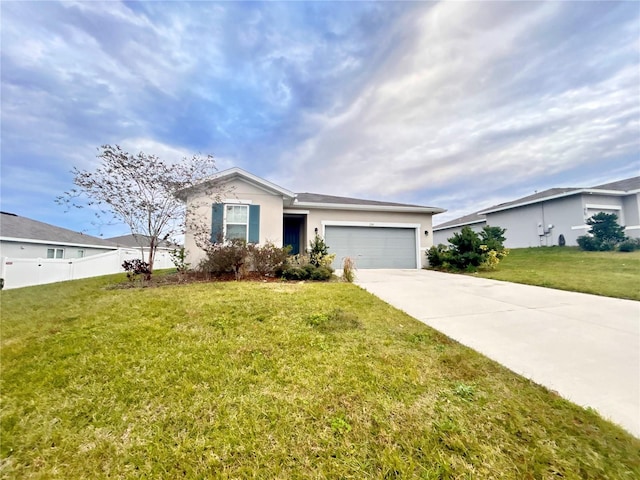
[{"x": 139, "y": 190}]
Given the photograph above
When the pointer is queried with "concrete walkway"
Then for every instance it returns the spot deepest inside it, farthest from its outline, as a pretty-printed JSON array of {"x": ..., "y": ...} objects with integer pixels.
[{"x": 585, "y": 347}]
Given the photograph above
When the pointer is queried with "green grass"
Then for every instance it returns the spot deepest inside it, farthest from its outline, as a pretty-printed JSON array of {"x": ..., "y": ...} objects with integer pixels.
[
  {"x": 611, "y": 274},
  {"x": 271, "y": 380}
]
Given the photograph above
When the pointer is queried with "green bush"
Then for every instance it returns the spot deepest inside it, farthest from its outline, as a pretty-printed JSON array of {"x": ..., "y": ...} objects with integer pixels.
[
  {"x": 295, "y": 273},
  {"x": 589, "y": 243},
  {"x": 321, "y": 274},
  {"x": 629, "y": 245},
  {"x": 307, "y": 272},
  {"x": 437, "y": 255},
  {"x": 225, "y": 258},
  {"x": 470, "y": 251},
  {"x": 309, "y": 268},
  {"x": 317, "y": 251},
  {"x": 179, "y": 259},
  {"x": 268, "y": 259},
  {"x": 604, "y": 235}
]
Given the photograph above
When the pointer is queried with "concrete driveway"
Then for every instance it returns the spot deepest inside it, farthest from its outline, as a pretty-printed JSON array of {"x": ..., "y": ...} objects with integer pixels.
[{"x": 585, "y": 347}]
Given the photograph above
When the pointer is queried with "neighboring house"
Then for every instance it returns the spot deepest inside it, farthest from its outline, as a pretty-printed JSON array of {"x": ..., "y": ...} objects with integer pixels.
[
  {"x": 540, "y": 219},
  {"x": 141, "y": 241},
  {"x": 375, "y": 234},
  {"x": 21, "y": 237}
]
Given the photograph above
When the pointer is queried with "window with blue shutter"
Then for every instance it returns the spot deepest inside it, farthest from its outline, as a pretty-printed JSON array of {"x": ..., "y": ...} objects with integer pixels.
[
  {"x": 217, "y": 225},
  {"x": 231, "y": 221},
  {"x": 254, "y": 224}
]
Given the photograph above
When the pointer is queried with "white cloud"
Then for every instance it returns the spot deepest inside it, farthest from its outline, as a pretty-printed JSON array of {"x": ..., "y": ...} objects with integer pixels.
[{"x": 439, "y": 110}]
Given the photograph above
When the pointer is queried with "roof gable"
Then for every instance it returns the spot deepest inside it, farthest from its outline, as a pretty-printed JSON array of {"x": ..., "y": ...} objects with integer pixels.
[{"x": 238, "y": 173}]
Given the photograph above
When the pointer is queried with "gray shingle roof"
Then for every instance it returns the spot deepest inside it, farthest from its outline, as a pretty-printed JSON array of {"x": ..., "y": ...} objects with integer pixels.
[
  {"x": 137, "y": 241},
  {"x": 622, "y": 185},
  {"x": 15, "y": 226},
  {"x": 332, "y": 199},
  {"x": 464, "y": 220},
  {"x": 551, "y": 192},
  {"x": 625, "y": 185}
]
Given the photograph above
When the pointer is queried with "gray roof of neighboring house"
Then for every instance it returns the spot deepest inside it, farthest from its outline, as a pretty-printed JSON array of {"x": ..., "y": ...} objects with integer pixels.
[
  {"x": 137, "y": 241},
  {"x": 622, "y": 185},
  {"x": 461, "y": 221},
  {"x": 626, "y": 185},
  {"x": 332, "y": 199},
  {"x": 15, "y": 226},
  {"x": 551, "y": 192}
]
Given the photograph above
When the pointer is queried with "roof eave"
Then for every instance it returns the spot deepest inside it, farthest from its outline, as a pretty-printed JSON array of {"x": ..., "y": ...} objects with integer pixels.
[
  {"x": 617, "y": 193},
  {"x": 49, "y": 242},
  {"x": 462, "y": 224},
  {"x": 371, "y": 208}
]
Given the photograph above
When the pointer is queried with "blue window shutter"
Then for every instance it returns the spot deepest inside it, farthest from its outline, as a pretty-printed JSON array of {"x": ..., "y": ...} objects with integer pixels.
[
  {"x": 254, "y": 223},
  {"x": 217, "y": 212}
]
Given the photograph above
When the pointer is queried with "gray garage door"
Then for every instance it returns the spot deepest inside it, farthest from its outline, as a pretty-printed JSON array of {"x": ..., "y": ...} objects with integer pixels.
[{"x": 373, "y": 247}]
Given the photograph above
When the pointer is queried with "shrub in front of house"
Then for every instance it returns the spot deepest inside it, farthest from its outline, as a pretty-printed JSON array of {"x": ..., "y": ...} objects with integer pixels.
[
  {"x": 225, "y": 258},
  {"x": 470, "y": 251},
  {"x": 314, "y": 266},
  {"x": 136, "y": 267},
  {"x": 605, "y": 233},
  {"x": 629, "y": 245},
  {"x": 307, "y": 272},
  {"x": 238, "y": 258},
  {"x": 268, "y": 259}
]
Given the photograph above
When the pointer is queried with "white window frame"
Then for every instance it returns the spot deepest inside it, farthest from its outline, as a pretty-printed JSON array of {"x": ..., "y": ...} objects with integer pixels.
[
  {"x": 81, "y": 253},
  {"x": 55, "y": 252},
  {"x": 225, "y": 223}
]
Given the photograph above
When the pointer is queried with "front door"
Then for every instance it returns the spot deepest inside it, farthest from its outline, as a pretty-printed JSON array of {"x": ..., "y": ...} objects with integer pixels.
[{"x": 293, "y": 232}]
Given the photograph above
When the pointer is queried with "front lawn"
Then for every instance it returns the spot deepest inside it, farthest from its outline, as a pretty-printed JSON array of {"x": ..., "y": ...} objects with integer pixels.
[
  {"x": 271, "y": 380},
  {"x": 611, "y": 274}
]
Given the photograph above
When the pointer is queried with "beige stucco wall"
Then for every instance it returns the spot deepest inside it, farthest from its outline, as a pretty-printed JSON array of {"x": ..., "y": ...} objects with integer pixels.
[
  {"x": 316, "y": 217},
  {"x": 237, "y": 191}
]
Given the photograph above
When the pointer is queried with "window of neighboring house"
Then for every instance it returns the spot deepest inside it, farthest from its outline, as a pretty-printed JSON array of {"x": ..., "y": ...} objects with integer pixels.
[
  {"x": 236, "y": 222},
  {"x": 55, "y": 253},
  {"x": 81, "y": 253}
]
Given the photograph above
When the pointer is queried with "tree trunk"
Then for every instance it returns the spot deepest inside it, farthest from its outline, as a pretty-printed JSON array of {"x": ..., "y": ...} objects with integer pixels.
[{"x": 152, "y": 251}]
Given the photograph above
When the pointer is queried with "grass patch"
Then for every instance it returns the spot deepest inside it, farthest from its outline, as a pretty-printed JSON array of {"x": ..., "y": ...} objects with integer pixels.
[
  {"x": 611, "y": 274},
  {"x": 271, "y": 380}
]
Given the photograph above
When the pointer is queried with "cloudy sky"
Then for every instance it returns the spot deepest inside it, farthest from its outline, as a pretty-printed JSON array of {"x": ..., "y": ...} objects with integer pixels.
[{"x": 459, "y": 105}]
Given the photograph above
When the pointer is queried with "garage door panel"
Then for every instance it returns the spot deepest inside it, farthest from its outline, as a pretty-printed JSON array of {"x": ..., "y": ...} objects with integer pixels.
[{"x": 373, "y": 247}]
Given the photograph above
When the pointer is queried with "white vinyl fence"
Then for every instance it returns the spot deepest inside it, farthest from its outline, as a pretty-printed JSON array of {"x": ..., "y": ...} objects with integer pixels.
[{"x": 25, "y": 272}]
